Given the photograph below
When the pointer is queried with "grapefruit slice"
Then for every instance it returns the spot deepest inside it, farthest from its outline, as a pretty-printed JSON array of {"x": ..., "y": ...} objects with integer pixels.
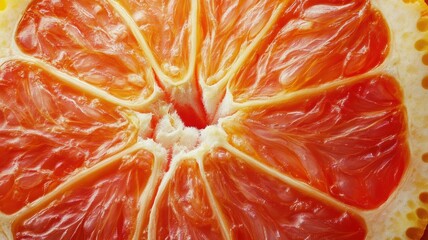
[{"x": 199, "y": 119}]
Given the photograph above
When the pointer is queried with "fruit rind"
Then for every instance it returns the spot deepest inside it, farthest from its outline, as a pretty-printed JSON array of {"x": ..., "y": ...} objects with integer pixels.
[{"x": 396, "y": 216}]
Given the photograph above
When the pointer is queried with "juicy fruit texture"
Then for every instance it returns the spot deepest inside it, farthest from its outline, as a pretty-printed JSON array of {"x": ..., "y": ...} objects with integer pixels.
[
  {"x": 184, "y": 209},
  {"x": 105, "y": 200},
  {"x": 312, "y": 139},
  {"x": 92, "y": 44},
  {"x": 295, "y": 57},
  {"x": 260, "y": 206},
  {"x": 199, "y": 119},
  {"x": 167, "y": 28},
  {"x": 229, "y": 28},
  {"x": 48, "y": 131}
]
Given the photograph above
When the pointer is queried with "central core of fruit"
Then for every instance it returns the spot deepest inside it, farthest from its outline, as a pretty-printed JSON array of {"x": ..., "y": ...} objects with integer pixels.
[
  {"x": 180, "y": 119},
  {"x": 192, "y": 116},
  {"x": 174, "y": 133}
]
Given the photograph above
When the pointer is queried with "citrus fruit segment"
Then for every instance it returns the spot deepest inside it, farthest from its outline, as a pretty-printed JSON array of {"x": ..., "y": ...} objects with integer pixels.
[
  {"x": 48, "y": 130},
  {"x": 103, "y": 205},
  {"x": 168, "y": 30},
  {"x": 231, "y": 30},
  {"x": 89, "y": 41},
  {"x": 315, "y": 42},
  {"x": 344, "y": 141},
  {"x": 259, "y": 206},
  {"x": 182, "y": 209}
]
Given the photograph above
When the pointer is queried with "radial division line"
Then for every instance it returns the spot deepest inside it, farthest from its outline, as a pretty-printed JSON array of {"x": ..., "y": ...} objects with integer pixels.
[
  {"x": 285, "y": 96},
  {"x": 300, "y": 186},
  {"x": 194, "y": 14},
  {"x": 75, "y": 82},
  {"x": 214, "y": 204},
  {"x": 6, "y": 227},
  {"x": 137, "y": 104},
  {"x": 237, "y": 64},
  {"x": 145, "y": 197},
  {"x": 151, "y": 231},
  {"x": 69, "y": 183}
]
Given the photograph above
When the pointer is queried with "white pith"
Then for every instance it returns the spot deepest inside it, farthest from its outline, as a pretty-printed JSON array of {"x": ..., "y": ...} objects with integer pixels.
[{"x": 390, "y": 221}]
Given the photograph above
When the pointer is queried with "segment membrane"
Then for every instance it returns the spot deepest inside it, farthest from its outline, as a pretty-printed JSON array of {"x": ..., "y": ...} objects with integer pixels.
[
  {"x": 315, "y": 42},
  {"x": 228, "y": 29},
  {"x": 48, "y": 131},
  {"x": 259, "y": 206},
  {"x": 103, "y": 206},
  {"x": 184, "y": 211},
  {"x": 345, "y": 141},
  {"x": 87, "y": 40},
  {"x": 166, "y": 27}
]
